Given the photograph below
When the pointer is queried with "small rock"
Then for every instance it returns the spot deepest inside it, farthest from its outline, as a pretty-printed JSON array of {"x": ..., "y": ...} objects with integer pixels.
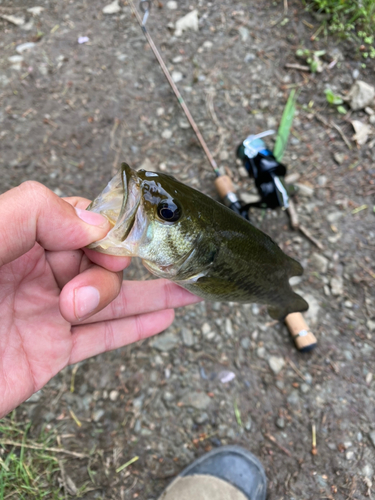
[
  {"x": 361, "y": 95},
  {"x": 188, "y": 22},
  {"x": 138, "y": 402},
  {"x": 202, "y": 418},
  {"x": 85, "y": 39},
  {"x": 224, "y": 155},
  {"x": 312, "y": 314},
  {"x": 362, "y": 132},
  {"x": 334, "y": 217},
  {"x": 359, "y": 436},
  {"x": 25, "y": 46},
  {"x": 206, "y": 329},
  {"x": 160, "y": 111},
  {"x": 337, "y": 286},
  {"x": 226, "y": 376},
  {"x": 349, "y": 455},
  {"x": 198, "y": 400},
  {"x": 245, "y": 343},
  {"x": 339, "y": 158},
  {"x": 168, "y": 397},
  {"x": 276, "y": 364},
  {"x": 97, "y": 415},
  {"x": 184, "y": 124},
  {"x": 172, "y": 5},
  {"x": 248, "y": 424},
  {"x": 293, "y": 398},
  {"x": 177, "y": 76},
  {"x": 255, "y": 309},
  {"x": 295, "y": 280},
  {"x": 187, "y": 337},
  {"x": 348, "y": 355},
  {"x": 35, "y": 11},
  {"x": 228, "y": 327},
  {"x": 319, "y": 262},
  {"x": 207, "y": 44},
  {"x": 336, "y": 54},
  {"x": 17, "y": 20},
  {"x": 322, "y": 180},
  {"x": 167, "y": 133},
  {"x": 305, "y": 388},
  {"x": 304, "y": 190},
  {"x": 249, "y": 57},
  {"x": 34, "y": 398},
  {"x": 15, "y": 59},
  {"x": 244, "y": 33},
  {"x": 368, "y": 471},
  {"x": 261, "y": 352},
  {"x": 146, "y": 165},
  {"x": 165, "y": 341},
  {"x": 372, "y": 437},
  {"x": 372, "y": 119},
  {"x": 112, "y": 8},
  {"x": 113, "y": 395},
  {"x": 280, "y": 423},
  {"x": 371, "y": 325}
]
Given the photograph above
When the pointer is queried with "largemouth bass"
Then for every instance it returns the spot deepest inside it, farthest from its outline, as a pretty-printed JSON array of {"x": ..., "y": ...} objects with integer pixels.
[{"x": 191, "y": 239}]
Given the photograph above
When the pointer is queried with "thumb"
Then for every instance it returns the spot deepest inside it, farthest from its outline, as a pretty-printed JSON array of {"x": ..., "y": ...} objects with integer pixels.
[{"x": 32, "y": 213}]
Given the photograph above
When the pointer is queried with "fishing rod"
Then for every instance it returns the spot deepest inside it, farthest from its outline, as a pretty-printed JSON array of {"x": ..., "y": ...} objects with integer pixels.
[
  {"x": 260, "y": 164},
  {"x": 223, "y": 183}
]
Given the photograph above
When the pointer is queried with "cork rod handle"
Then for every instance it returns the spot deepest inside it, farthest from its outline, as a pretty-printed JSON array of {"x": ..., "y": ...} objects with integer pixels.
[{"x": 304, "y": 339}]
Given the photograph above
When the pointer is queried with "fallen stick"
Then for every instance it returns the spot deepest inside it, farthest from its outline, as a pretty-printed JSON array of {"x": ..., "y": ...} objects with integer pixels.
[{"x": 7, "y": 442}]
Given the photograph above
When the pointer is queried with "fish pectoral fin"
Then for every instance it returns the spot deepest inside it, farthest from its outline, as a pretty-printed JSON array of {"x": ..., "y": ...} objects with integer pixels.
[
  {"x": 211, "y": 288},
  {"x": 191, "y": 279},
  {"x": 159, "y": 271}
]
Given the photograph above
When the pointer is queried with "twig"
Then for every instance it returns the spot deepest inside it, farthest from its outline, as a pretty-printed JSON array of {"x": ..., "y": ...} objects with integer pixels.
[
  {"x": 300, "y": 67},
  {"x": 292, "y": 215},
  {"x": 339, "y": 130},
  {"x": 299, "y": 373},
  {"x": 8, "y": 442},
  {"x": 308, "y": 235},
  {"x": 285, "y": 7},
  {"x": 273, "y": 440},
  {"x": 333, "y": 125},
  {"x": 314, "y": 450},
  {"x": 211, "y": 109},
  {"x": 63, "y": 478}
]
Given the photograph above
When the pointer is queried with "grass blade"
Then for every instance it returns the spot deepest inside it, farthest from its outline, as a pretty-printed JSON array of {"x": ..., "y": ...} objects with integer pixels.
[{"x": 285, "y": 126}]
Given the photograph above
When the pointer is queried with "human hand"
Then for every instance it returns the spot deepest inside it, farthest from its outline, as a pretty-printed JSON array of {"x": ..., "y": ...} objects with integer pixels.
[{"x": 58, "y": 303}]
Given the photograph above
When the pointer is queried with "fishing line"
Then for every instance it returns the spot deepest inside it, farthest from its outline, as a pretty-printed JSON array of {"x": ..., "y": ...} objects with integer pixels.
[{"x": 145, "y": 6}]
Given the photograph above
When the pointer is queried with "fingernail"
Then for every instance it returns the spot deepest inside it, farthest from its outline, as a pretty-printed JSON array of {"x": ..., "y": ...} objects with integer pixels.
[
  {"x": 92, "y": 218},
  {"x": 86, "y": 300}
]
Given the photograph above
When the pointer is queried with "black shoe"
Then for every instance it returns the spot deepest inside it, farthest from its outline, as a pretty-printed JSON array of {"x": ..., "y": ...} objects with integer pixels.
[{"x": 226, "y": 473}]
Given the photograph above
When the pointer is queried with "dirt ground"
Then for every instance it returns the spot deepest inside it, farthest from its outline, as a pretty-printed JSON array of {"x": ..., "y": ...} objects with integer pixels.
[{"x": 70, "y": 113}]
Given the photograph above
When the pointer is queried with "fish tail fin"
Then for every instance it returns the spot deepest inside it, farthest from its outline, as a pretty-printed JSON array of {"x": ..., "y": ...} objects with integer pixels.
[{"x": 295, "y": 303}]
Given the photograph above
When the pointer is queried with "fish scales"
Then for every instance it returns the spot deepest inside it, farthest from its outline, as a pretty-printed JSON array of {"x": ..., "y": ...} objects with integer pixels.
[{"x": 185, "y": 236}]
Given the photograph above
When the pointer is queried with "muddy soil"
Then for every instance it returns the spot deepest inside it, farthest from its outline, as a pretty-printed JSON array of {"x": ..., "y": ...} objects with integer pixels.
[{"x": 70, "y": 113}]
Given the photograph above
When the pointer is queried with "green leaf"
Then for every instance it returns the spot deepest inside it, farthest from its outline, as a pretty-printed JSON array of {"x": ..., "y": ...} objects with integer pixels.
[
  {"x": 341, "y": 110},
  {"x": 285, "y": 126},
  {"x": 332, "y": 98}
]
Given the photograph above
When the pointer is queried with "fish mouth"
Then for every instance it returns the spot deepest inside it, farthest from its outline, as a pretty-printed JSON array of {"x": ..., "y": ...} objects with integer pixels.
[{"x": 119, "y": 203}]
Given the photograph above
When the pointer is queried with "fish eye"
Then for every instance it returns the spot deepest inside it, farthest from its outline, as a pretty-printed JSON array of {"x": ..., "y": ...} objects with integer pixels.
[{"x": 169, "y": 211}]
